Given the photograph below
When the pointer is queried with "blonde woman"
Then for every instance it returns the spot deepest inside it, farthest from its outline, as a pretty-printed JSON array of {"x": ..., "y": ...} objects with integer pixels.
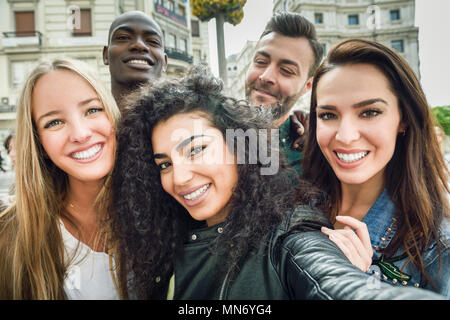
[{"x": 54, "y": 242}]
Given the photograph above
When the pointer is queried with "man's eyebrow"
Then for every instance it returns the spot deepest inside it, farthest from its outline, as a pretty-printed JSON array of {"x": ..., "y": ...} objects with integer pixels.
[
  {"x": 187, "y": 141},
  {"x": 131, "y": 30},
  {"x": 152, "y": 33},
  {"x": 282, "y": 61},
  {"x": 263, "y": 53},
  {"x": 290, "y": 62},
  {"x": 123, "y": 28}
]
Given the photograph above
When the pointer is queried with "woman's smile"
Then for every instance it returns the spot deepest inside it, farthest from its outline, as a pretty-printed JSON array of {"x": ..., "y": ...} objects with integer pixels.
[{"x": 194, "y": 167}]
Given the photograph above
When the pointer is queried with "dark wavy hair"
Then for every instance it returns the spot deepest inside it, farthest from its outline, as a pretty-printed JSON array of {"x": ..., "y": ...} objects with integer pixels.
[
  {"x": 151, "y": 226},
  {"x": 416, "y": 176}
]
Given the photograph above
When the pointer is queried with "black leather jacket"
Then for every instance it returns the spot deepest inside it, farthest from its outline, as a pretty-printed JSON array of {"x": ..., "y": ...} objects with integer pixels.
[{"x": 295, "y": 261}]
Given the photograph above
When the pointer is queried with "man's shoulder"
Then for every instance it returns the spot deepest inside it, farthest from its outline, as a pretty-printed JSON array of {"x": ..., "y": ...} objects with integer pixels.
[{"x": 285, "y": 128}]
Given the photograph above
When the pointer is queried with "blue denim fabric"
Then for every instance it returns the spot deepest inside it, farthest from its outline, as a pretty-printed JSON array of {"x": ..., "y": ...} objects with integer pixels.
[{"x": 380, "y": 221}]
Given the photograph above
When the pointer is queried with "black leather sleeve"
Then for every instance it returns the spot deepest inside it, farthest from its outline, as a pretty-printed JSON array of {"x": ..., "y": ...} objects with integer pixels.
[{"x": 312, "y": 267}]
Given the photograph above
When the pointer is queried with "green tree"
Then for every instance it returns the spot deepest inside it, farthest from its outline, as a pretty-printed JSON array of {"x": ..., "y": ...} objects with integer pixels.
[
  {"x": 442, "y": 114},
  {"x": 230, "y": 11}
]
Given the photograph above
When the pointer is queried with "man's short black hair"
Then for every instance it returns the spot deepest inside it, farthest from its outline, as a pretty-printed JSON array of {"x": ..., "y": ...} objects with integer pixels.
[
  {"x": 291, "y": 24},
  {"x": 136, "y": 16},
  {"x": 7, "y": 141}
]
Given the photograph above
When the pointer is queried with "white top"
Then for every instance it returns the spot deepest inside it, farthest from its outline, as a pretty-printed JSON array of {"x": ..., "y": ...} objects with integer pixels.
[{"x": 88, "y": 277}]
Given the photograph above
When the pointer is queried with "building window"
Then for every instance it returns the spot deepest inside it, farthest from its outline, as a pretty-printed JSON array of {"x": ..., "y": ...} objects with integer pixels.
[
  {"x": 353, "y": 19},
  {"x": 181, "y": 10},
  {"x": 197, "y": 54},
  {"x": 195, "y": 28},
  {"x": 397, "y": 45},
  {"x": 318, "y": 18},
  {"x": 85, "y": 29},
  {"x": 19, "y": 72},
  {"x": 395, "y": 14},
  {"x": 24, "y": 23},
  {"x": 171, "y": 41},
  {"x": 169, "y": 5},
  {"x": 183, "y": 45}
]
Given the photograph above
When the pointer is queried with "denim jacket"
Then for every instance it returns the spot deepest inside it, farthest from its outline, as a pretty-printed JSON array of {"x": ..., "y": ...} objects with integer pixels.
[{"x": 381, "y": 223}]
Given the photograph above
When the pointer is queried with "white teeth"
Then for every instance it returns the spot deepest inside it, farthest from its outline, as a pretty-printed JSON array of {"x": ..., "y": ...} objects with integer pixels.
[
  {"x": 138, "y": 61},
  {"x": 351, "y": 157},
  {"x": 197, "y": 193},
  {"x": 87, "y": 153}
]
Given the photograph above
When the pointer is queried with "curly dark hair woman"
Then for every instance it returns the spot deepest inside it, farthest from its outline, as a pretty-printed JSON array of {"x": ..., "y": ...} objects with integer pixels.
[{"x": 225, "y": 229}]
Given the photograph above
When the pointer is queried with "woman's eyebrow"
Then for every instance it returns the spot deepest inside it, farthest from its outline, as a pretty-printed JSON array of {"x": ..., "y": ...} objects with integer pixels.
[
  {"x": 188, "y": 140},
  {"x": 160, "y": 156},
  {"x": 48, "y": 114},
  {"x": 364, "y": 103},
  {"x": 369, "y": 102}
]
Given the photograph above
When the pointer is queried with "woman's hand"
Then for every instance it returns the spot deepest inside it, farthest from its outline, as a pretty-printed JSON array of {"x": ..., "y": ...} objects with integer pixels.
[{"x": 356, "y": 246}]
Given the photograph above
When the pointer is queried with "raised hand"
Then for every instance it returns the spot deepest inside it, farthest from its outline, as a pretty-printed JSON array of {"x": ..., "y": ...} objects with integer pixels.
[
  {"x": 299, "y": 128},
  {"x": 356, "y": 246}
]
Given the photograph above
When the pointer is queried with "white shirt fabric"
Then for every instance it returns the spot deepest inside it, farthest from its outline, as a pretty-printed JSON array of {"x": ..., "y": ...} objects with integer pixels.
[{"x": 88, "y": 276}]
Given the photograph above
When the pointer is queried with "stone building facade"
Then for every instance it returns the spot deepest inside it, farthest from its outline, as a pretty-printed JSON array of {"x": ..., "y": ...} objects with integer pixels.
[{"x": 390, "y": 22}]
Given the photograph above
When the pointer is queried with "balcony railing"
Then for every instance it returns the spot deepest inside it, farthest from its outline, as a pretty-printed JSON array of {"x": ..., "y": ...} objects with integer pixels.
[
  {"x": 179, "y": 55},
  {"x": 21, "y": 38},
  {"x": 7, "y": 108},
  {"x": 159, "y": 8}
]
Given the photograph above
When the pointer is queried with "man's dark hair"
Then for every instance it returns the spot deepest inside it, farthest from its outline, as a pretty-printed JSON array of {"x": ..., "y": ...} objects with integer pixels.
[
  {"x": 291, "y": 24},
  {"x": 7, "y": 140}
]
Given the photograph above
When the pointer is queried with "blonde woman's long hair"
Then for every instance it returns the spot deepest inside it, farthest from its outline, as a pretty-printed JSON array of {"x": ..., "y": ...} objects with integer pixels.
[{"x": 32, "y": 264}]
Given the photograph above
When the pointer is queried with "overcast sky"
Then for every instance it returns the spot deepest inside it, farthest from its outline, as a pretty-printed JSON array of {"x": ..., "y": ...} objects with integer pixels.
[{"x": 434, "y": 42}]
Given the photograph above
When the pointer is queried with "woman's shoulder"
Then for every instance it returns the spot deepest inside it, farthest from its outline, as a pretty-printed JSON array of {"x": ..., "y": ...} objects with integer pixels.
[
  {"x": 439, "y": 251},
  {"x": 305, "y": 217}
]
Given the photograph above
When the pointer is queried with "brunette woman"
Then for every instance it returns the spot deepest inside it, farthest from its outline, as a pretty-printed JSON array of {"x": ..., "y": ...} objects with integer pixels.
[{"x": 372, "y": 147}]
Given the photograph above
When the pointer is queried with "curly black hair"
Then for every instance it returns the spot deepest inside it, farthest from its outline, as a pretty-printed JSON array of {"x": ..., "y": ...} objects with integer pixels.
[{"x": 150, "y": 225}]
